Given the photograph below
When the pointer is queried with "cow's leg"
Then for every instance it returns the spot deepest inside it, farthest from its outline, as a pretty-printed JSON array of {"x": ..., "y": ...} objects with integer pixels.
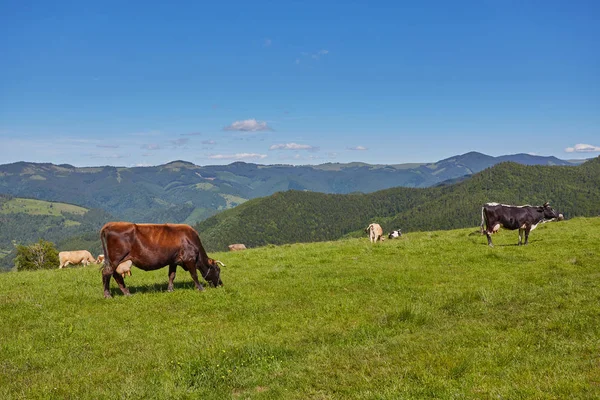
[
  {"x": 172, "y": 271},
  {"x": 520, "y": 234},
  {"x": 106, "y": 274},
  {"x": 527, "y": 230},
  {"x": 489, "y": 238},
  {"x": 121, "y": 282},
  {"x": 191, "y": 266}
]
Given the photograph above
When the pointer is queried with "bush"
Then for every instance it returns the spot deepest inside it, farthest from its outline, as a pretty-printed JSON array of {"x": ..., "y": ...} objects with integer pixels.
[{"x": 40, "y": 255}]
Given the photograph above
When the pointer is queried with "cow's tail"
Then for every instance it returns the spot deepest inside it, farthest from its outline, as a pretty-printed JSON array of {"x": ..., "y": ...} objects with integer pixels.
[
  {"x": 106, "y": 263},
  {"x": 483, "y": 221}
]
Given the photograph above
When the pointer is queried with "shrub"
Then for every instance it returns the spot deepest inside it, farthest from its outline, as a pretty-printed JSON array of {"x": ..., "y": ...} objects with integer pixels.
[{"x": 40, "y": 255}]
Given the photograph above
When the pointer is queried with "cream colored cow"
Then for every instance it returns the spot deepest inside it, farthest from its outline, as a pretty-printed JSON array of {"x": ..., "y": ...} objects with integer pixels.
[
  {"x": 75, "y": 257},
  {"x": 237, "y": 247},
  {"x": 375, "y": 232}
]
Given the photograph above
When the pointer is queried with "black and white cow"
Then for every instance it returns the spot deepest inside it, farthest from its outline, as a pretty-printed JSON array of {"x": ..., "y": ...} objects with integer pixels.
[
  {"x": 523, "y": 218},
  {"x": 395, "y": 234}
]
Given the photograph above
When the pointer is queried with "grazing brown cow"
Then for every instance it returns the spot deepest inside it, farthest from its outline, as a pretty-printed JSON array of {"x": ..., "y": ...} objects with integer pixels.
[
  {"x": 154, "y": 246},
  {"x": 75, "y": 257},
  {"x": 237, "y": 247}
]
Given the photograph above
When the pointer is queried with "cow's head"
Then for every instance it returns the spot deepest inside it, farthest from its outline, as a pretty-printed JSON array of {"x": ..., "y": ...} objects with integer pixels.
[
  {"x": 549, "y": 212},
  {"x": 213, "y": 275}
]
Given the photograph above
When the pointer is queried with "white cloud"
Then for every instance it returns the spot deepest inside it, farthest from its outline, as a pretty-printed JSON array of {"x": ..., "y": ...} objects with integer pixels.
[
  {"x": 293, "y": 146},
  {"x": 248, "y": 125},
  {"x": 209, "y": 142},
  {"x": 150, "y": 146},
  {"x": 358, "y": 148},
  {"x": 583, "y": 148},
  {"x": 267, "y": 42},
  {"x": 238, "y": 156},
  {"x": 108, "y": 146}
]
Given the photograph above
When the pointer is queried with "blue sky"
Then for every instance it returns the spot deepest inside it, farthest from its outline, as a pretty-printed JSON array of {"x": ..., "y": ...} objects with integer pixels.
[{"x": 133, "y": 83}]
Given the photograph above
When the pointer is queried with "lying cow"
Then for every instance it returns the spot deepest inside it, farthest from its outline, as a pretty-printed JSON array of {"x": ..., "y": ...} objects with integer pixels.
[
  {"x": 154, "y": 246},
  {"x": 375, "y": 232},
  {"x": 75, "y": 257},
  {"x": 237, "y": 247},
  {"x": 395, "y": 234},
  {"x": 523, "y": 218}
]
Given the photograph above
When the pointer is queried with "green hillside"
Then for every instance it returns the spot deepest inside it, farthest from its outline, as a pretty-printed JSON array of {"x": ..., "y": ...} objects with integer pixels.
[
  {"x": 297, "y": 216},
  {"x": 184, "y": 192},
  {"x": 70, "y": 227},
  {"x": 435, "y": 315}
]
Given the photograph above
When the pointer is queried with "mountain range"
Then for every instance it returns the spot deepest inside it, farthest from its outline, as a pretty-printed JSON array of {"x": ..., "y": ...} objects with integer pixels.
[
  {"x": 184, "y": 192},
  {"x": 299, "y": 216}
]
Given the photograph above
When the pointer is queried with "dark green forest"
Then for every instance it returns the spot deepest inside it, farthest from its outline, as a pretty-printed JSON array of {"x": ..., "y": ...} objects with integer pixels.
[{"x": 297, "y": 216}]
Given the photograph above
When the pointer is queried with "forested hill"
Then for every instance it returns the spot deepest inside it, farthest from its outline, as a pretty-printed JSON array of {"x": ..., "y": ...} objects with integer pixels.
[
  {"x": 183, "y": 192},
  {"x": 24, "y": 221},
  {"x": 297, "y": 216}
]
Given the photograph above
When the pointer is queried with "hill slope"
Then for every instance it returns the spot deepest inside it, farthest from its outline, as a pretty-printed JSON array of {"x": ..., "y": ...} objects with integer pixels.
[
  {"x": 432, "y": 315},
  {"x": 23, "y": 221},
  {"x": 295, "y": 216},
  {"x": 183, "y": 192}
]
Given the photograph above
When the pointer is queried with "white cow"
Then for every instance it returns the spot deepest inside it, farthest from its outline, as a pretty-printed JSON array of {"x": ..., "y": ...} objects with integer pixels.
[
  {"x": 375, "y": 232},
  {"x": 75, "y": 257},
  {"x": 395, "y": 234}
]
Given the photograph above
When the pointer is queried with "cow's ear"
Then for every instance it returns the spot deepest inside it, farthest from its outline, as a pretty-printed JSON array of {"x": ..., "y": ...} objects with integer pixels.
[{"x": 546, "y": 204}]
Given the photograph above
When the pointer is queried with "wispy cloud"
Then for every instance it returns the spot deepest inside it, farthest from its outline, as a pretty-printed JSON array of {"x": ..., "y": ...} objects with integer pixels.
[
  {"x": 150, "y": 146},
  {"x": 238, "y": 156},
  {"x": 357, "y": 148},
  {"x": 314, "y": 56},
  {"x": 583, "y": 148},
  {"x": 146, "y": 133},
  {"x": 248, "y": 125},
  {"x": 108, "y": 146},
  {"x": 320, "y": 53},
  {"x": 192, "y": 134},
  {"x": 267, "y": 42},
  {"x": 180, "y": 142},
  {"x": 293, "y": 146},
  {"x": 209, "y": 142},
  {"x": 107, "y": 156}
]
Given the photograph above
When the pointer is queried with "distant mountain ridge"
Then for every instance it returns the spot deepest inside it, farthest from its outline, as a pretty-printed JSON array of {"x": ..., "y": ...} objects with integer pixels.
[
  {"x": 296, "y": 216},
  {"x": 181, "y": 191}
]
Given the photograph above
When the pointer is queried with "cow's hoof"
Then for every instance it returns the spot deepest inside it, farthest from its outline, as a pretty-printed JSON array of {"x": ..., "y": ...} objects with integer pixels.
[
  {"x": 107, "y": 296},
  {"x": 169, "y": 289}
]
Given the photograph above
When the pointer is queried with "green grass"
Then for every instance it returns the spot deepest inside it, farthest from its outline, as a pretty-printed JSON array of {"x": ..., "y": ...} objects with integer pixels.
[
  {"x": 39, "y": 207},
  {"x": 432, "y": 315}
]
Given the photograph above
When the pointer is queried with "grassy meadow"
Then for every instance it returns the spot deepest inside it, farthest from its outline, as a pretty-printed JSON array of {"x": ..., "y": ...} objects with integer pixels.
[{"x": 430, "y": 315}]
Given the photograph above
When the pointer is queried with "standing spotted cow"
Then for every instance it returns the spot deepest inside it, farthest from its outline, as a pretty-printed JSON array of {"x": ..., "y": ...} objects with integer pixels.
[{"x": 524, "y": 218}]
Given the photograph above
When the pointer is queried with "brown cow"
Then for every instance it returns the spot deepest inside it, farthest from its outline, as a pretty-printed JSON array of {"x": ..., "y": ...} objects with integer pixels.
[
  {"x": 154, "y": 246},
  {"x": 237, "y": 247}
]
